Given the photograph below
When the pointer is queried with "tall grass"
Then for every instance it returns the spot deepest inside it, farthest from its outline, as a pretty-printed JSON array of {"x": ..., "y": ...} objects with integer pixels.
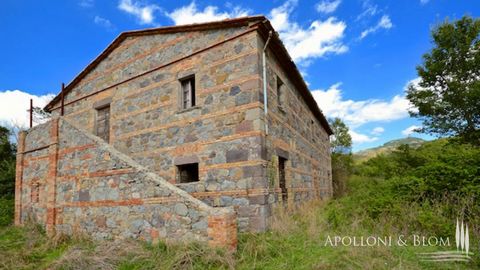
[
  {"x": 298, "y": 236},
  {"x": 296, "y": 240},
  {"x": 6, "y": 211}
]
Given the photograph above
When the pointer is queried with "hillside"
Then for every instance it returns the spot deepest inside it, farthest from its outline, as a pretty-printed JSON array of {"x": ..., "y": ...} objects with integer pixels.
[{"x": 387, "y": 147}]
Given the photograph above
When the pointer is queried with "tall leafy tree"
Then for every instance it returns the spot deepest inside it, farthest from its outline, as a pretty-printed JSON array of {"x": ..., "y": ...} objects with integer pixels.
[
  {"x": 7, "y": 164},
  {"x": 342, "y": 161},
  {"x": 341, "y": 141},
  {"x": 447, "y": 98}
]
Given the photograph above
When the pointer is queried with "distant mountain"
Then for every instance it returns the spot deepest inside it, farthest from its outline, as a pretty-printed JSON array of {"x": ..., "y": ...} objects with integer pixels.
[{"x": 387, "y": 147}]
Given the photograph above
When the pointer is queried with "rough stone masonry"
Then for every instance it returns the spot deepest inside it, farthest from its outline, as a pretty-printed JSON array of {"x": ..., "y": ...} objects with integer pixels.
[{"x": 164, "y": 136}]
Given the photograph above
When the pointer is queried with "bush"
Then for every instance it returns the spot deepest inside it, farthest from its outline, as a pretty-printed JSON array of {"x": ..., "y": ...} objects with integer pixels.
[
  {"x": 435, "y": 169},
  {"x": 439, "y": 181},
  {"x": 6, "y": 211},
  {"x": 341, "y": 171}
]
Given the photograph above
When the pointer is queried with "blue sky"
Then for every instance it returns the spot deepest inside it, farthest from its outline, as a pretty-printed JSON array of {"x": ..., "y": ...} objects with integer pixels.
[{"x": 356, "y": 55}]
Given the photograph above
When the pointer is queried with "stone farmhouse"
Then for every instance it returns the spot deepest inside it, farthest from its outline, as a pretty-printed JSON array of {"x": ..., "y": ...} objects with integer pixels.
[{"x": 177, "y": 133}]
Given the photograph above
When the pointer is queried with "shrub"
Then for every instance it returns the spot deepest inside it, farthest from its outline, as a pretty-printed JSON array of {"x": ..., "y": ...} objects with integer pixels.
[{"x": 6, "y": 211}]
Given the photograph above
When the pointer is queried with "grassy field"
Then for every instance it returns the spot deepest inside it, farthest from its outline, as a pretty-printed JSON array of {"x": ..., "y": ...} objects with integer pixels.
[{"x": 296, "y": 241}]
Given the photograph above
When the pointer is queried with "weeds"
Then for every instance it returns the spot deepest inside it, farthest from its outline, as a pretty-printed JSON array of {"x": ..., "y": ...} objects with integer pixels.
[{"x": 296, "y": 240}]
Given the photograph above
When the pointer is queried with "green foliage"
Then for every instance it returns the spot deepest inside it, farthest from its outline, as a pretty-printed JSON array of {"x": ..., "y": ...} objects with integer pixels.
[
  {"x": 7, "y": 164},
  {"x": 435, "y": 169},
  {"x": 342, "y": 165},
  {"x": 7, "y": 177},
  {"x": 383, "y": 206},
  {"x": 296, "y": 240},
  {"x": 447, "y": 98},
  {"x": 6, "y": 211},
  {"x": 342, "y": 160},
  {"x": 440, "y": 179},
  {"x": 341, "y": 141}
]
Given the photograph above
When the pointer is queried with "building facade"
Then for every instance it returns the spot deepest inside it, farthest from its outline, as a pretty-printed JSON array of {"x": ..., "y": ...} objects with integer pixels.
[{"x": 165, "y": 135}]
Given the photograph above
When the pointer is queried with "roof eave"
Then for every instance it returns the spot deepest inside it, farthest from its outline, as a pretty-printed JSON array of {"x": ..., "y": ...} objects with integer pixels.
[
  {"x": 280, "y": 51},
  {"x": 279, "y": 48}
]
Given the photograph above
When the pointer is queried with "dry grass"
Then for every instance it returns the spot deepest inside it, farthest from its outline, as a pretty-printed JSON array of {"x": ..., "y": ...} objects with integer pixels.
[
  {"x": 296, "y": 241},
  {"x": 28, "y": 247},
  {"x": 106, "y": 255}
]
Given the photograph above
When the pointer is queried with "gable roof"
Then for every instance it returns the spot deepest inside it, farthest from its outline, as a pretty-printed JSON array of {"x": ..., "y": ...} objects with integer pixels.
[{"x": 264, "y": 27}]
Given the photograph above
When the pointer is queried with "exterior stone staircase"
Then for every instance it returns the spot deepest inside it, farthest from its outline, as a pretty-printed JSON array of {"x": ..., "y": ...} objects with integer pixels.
[{"x": 72, "y": 181}]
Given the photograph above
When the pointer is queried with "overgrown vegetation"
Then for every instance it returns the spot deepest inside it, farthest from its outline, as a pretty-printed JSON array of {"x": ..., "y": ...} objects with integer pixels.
[
  {"x": 7, "y": 177},
  {"x": 410, "y": 191},
  {"x": 342, "y": 159},
  {"x": 431, "y": 172},
  {"x": 447, "y": 97},
  {"x": 296, "y": 240},
  {"x": 419, "y": 191}
]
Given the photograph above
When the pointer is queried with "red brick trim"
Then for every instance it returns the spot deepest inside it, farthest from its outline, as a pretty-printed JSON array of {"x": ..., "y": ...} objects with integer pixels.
[
  {"x": 222, "y": 231},
  {"x": 50, "y": 108},
  {"x": 29, "y": 159},
  {"x": 36, "y": 149},
  {"x": 95, "y": 174},
  {"x": 52, "y": 178},
  {"x": 103, "y": 203},
  {"x": 111, "y": 172},
  {"x": 69, "y": 150},
  {"x": 19, "y": 178}
]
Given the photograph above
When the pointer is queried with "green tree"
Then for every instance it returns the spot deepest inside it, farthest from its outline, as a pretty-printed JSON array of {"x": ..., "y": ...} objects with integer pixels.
[
  {"x": 447, "y": 98},
  {"x": 7, "y": 177},
  {"x": 341, "y": 141},
  {"x": 342, "y": 161},
  {"x": 7, "y": 164}
]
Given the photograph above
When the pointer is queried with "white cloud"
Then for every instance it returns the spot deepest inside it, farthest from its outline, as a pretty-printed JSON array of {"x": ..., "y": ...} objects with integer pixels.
[
  {"x": 423, "y": 2},
  {"x": 104, "y": 22},
  {"x": 144, "y": 13},
  {"x": 191, "y": 14},
  {"x": 303, "y": 44},
  {"x": 15, "y": 103},
  {"x": 357, "y": 113},
  {"x": 358, "y": 138},
  {"x": 369, "y": 10},
  {"x": 383, "y": 23},
  {"x": 411, "y": 129},
  {"x": 377, "y": 131},
  {"x": 86, "y": 3},
  {"x": 327, "y": 6},
  {"x": 415, "y": 82}
]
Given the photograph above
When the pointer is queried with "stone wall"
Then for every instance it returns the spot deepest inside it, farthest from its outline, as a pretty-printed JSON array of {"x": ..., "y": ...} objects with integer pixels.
[
  {"x": 295, "y": 134},
  {"x": 223, "y": 133},
  {"x": 33, "y": 167},
  {"x": 95, "y": 189}
]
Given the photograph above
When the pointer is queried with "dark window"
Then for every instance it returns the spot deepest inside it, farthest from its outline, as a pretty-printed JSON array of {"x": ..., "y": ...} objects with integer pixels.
[
  {"x": 188, "y": 173},
  {"x": 280, "y": 92},
  {"x": 312, "y": 129},
  {"x": 103, "y": 123},
  {"x": 281, "y": 178},
  {"x": 188, "y": 92}
]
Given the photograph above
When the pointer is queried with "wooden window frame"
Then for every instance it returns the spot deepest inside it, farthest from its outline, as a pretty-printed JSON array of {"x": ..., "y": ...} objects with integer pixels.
[{"x": 187, "y": 92}]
